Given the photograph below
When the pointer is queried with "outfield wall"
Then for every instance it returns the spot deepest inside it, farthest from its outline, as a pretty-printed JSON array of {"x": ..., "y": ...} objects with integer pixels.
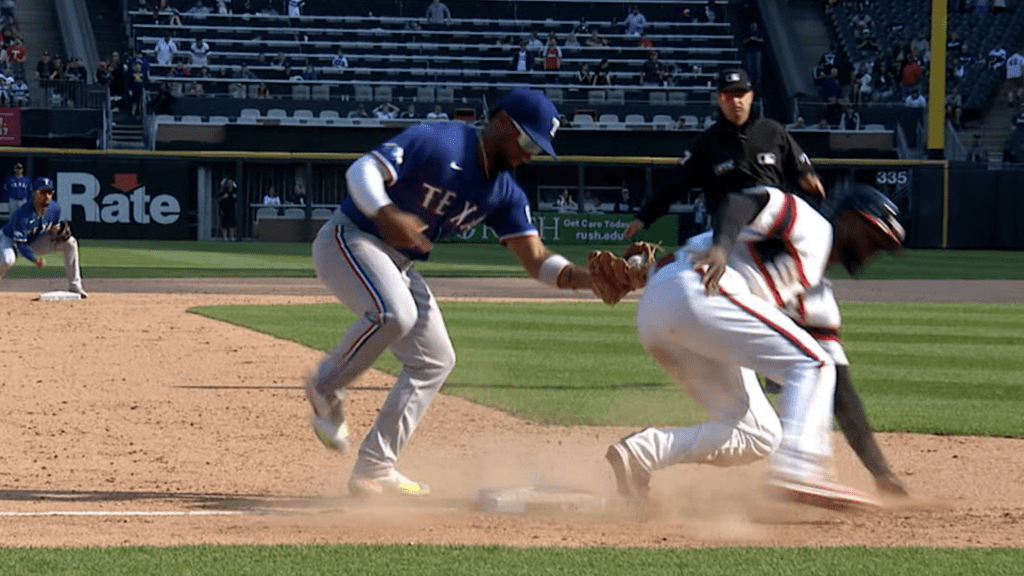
[{"x": 164, "y": 195}]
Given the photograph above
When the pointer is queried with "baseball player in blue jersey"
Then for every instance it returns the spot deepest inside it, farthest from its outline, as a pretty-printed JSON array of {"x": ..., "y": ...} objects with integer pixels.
[
  {"x": 17, "y": 188},
  {"x": 429, "y": 182},
  {"x": 34, "y": 229}
]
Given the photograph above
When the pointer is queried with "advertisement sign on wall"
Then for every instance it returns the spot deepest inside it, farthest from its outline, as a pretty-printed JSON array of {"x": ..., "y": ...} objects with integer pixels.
[
  {"x": 560, "y": 228},
  {"x": 129, "y": 200},
  {"x": 10, "y": 127}
]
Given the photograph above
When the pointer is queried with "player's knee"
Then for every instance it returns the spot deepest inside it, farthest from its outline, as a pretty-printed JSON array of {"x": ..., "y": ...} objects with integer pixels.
[
  {"x": 396, "y": 322},
  {"x": 7, "y": 259}
]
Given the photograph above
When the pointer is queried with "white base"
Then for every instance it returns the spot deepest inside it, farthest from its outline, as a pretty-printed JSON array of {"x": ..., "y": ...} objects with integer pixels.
[
  {"x": 60, "y": 295},
  {"x": 539, "y": 499}
]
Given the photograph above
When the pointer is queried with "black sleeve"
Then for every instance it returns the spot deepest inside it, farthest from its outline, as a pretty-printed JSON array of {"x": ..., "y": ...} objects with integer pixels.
[
  {"x": 853, "y": 421},
  {"x": 794, "y": 162},
  {"x": 735, "y": 212},
  {"x": 685, "y": 177}
]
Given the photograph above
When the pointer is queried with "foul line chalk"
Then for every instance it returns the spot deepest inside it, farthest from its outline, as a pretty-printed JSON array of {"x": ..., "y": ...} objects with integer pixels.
[{"x": 132, "y": 513}]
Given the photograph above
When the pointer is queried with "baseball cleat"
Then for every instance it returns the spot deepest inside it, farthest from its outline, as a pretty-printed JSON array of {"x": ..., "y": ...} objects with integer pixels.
[
  {"x": 821, "y": 493},
  {"x": 632, "y": 479},
  {"x": 328, "y": 420},
  {"x": 393, "y": 484},
  {"x": 81, "y": 292}
]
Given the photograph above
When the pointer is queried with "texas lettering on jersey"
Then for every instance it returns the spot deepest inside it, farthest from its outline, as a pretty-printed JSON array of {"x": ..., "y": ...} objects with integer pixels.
[{"x": 438, "y": 201}]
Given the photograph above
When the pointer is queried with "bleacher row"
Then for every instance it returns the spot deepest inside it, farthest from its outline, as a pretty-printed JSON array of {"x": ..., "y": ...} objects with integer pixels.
[
  {"x": 464, "y": 58},
  {"x": 327, "y": 117}
]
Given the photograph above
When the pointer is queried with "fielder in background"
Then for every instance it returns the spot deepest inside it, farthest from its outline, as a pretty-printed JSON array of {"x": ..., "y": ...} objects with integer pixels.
[
  {"x": 429, "y": 182},
  {"x": 17, "y": 188},
  {"x": 34, "y": 229},
  {"x": 712, "y": 327}
]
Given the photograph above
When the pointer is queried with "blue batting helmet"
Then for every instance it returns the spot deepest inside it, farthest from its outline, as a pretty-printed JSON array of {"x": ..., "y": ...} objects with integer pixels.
[
  {"x": 42, "y": 183},
  {"x": 877, "y": 208}
]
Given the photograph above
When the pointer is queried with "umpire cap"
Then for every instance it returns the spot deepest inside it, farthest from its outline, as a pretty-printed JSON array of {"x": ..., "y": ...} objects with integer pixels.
[
  {"x": 42, "y": 183},
  {"x": 734, "y": 80},
  {"x": 877, "y": 208}
]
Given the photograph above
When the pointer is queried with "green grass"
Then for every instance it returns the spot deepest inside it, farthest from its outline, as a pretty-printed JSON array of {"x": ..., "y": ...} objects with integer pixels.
[
  {"x": 180, "y": 259},
  {"x": 930, "y": 368},
  {"x": 429, "y": 560}
]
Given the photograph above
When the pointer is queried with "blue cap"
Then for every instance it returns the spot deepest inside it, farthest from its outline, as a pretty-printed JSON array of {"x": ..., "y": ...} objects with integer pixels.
[
  {"x": 42, "y": 183},
  {"x": 537, "y": 116}
]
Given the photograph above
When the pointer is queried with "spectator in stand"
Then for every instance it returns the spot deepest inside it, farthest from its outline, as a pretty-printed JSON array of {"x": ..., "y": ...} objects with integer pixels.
[
  {"x": 386, "y": 111},
  {"x": 534, "y": 44},
  {"x": 953, "y": 46},
  {"x": 954, "y": 107},
  {"x": 58, "y": 68},
  {"x": 595, "y": 40},
  {"x": 711, "y": 13},
  {"x": 850, "y": 120},
  {"x": 298, "y": 195},
  {"x": 977, "y": 152},
  {"x": 271, "y": 198},
  {"x": 359, "y": 112},
  {"x": 163, "y": 102},
  {"x": 410, "y": 113},
  {"x": 885, "y": 83},
  {"x": 603, "y": 76},
  {"x": 922, "y": 48},
  {"x": 522, "y": 59},
  {"x": 645, "y": 42},
  {"x": 1017, "y": 122},
  {"x": 438, "y": 14},
  {"x": 572, "y": 44},
  {"x": 753, "y": 45},
  {"x": 915, "y": 100},
  {"x": 197, "y": 89},
  {"x": 865, "y": 85},
  {"x": 830, "y": 88},
  {"x": 634, "y": 22},
  {"x": 198, "y": 10},
  {"x": 956, "y": 71},
  {"x": 552, "y": 60},
  {"x": 437, "y": 113},
  {"x": 244, "y": 73},
  {"x": 295, "y": 8},
  {"x": 166, "y": 15},
  {"x": 179, "y": 70},
  {"x": 866, "y": 44},
  {"x": 966, "y": 56},
  {"x": 339, "y": 60},
  {"x": 118, "y": 77},
  {"x": 45, "y": 66},
  {"x": 19, "y": 93},
  {"x": 165, "y": 50},
  {"x": 686, "y": 16},
  {"x": 309, "y": 74},
  {"x": 833, "y": 113},
  {"x": 16, "y": 52},
  {"x": 581, "y": 28},
  {"x": 137, "y": 82},
  {"x": 200, "y": 50},
  {"x": 262, "y": 90},
  {"x": 76, "y": 71},
  {"x": 565, "y": 202},
  {"x": 910, "y": 78},
  {"x": 819, "y": 74},
  {"x": 5, "y": 91},
  {"x": 997, "y": 57},
  {"x": 585, "y": 76},
  {"x": 653, "y": 71},
  {"x": 861, "y": 21},
  {"x": 141, "y": 59},
  {"x": 1015, "y": 78}
]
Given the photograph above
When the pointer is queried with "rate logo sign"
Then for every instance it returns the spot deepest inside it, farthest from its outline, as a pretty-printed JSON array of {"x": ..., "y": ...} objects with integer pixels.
[{"x": 129, "y": 204}]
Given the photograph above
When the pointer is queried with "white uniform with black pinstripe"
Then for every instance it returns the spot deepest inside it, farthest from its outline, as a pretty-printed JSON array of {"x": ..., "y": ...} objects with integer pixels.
[{"x": 713, "y": 345}]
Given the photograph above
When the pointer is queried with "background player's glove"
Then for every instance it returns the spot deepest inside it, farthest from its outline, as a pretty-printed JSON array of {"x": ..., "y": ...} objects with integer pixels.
[
  {"x": 64, "y": 232},
  {"x": 612, "y": 277}
]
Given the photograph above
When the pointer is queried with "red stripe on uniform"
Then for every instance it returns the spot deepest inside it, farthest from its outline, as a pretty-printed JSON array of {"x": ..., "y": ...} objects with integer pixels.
[
  {"x": 764, "y": 274},
  {"x": 783, "y": 229},
  {"x": 782, "y": 331}
]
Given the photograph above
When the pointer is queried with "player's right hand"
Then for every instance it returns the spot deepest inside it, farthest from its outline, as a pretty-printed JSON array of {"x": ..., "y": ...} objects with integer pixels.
[
  {"x": 711, "y": 264},
  {"x": 40, "y": 262},
  {"x": 632, "y": 228},
  {"x": 402, "y": 229}
]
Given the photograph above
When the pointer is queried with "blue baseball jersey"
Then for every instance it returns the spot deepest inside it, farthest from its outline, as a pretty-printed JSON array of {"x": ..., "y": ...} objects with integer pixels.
[
  {"x": 16, "y": 187},
  {"x": 26, "y": 225},
  {"x": 434, "y": 172}
]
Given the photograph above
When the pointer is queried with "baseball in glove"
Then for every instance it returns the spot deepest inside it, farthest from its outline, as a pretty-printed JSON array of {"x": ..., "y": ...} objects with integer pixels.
[
  {"x": 612, "y": 277},
  {"x": 64, "y": 232}
]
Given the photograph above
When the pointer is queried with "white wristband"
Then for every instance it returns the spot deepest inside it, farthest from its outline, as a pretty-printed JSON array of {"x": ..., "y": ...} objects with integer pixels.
[
  {"x": 551, "y": 268},
  {"x": 365, "y": 179}
]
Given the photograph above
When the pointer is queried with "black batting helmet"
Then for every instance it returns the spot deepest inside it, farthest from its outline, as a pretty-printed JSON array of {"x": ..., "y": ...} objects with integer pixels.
[{"x": 876, "y": 207}]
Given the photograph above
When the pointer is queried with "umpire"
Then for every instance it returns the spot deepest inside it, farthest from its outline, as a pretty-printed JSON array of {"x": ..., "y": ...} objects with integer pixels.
[{"x": 737, "y": 152}]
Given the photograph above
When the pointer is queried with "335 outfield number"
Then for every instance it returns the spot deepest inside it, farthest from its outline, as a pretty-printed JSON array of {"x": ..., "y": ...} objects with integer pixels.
[{"x": 899, "y": 177}]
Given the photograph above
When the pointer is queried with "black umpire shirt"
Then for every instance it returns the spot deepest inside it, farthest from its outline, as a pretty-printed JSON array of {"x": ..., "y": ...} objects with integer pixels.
[{"x": 729, "y": 158}]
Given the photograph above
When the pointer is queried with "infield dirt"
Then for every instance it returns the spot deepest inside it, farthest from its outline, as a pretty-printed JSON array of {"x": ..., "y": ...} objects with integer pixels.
[{"x": 123, "y": 407}]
